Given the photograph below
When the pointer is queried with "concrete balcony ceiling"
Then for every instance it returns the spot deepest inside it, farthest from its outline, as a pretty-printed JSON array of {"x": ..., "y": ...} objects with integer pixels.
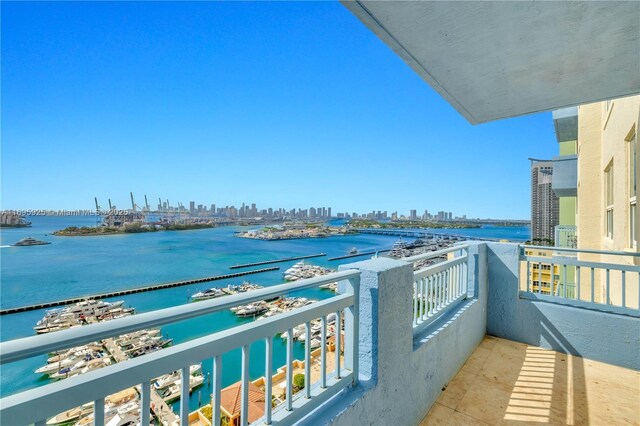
[{"x": 493, "y": 60}]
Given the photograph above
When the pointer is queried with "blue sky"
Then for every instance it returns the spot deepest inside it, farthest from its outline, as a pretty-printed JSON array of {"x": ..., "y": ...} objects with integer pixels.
[{"x": 282, "y": 104}]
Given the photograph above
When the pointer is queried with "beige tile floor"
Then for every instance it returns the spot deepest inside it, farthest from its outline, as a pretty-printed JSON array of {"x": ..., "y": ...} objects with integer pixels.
[{"x": 509, "y": 383}]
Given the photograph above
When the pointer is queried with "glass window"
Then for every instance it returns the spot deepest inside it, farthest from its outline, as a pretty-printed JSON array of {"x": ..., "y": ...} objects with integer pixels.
[{"x": 609, "y": 199}]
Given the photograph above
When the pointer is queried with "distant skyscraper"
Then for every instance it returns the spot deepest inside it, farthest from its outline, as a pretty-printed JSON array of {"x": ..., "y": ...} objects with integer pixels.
[
  {"x": 544, "y": 202},
  {"x": 328, "y": 211},
  {"x": 192, "y": 206},
  {"x": 413, "y": 215}
]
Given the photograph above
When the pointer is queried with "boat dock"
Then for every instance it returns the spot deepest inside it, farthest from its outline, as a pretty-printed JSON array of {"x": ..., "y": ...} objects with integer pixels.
[
  {"x": 366, "y": 253},
  {"x": 266, "y": 262},
  {"x": 132, "y": 291},
  {"x": 162, "y": 410}
]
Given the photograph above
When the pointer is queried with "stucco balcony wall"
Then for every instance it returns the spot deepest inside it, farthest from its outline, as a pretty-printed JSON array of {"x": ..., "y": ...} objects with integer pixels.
[{"x": 402, "y": 375}]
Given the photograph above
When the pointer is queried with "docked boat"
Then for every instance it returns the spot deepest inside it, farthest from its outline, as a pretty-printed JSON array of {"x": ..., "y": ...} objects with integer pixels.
[
  {"x": 252, "y": 309},
  {"x": 211, "y": 293},
  {"x": 30, "y": 242}
]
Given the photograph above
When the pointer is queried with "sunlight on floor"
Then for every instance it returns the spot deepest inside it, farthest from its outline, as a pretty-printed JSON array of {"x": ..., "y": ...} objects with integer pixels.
[{"x": 531, "y": 397}]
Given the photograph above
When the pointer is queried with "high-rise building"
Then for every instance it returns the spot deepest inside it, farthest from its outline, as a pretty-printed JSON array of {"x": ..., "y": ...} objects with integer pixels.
[
  {"x": 544, "y": 202},
  {"x": 192, "y": 206},
  {"x": 329, "y": 212},
  {"x": 413, "y": 214}
]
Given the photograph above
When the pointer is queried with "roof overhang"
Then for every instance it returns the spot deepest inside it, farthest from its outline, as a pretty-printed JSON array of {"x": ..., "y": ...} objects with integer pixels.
[
  {"x": 495, "y": 59},
  {"x": 565, "y": 122}
]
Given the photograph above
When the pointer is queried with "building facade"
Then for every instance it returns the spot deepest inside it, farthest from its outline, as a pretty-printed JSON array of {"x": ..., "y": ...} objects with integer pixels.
[{"x": 544, "y": 203}]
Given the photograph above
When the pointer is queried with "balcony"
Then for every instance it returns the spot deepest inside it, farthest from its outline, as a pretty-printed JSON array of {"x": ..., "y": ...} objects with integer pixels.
[
  {"x": 406, "y": 340},
  {"x": 565, "y": 176}
]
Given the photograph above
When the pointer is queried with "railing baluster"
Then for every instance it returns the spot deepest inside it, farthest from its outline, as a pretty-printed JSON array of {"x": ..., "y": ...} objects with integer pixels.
[
  {"x": 268, "y": 388},
  {"x": 593, "y": 284},
  {"x": 244, "y": 397},
  {"x": 421, "y": 295},
  {"x": 217, "y": 387},
  {"x": 606, "y": 287},
  {"x": 439, "y": 296},
  {"x": 98, "y": 412},
  {"x": 323, "y": 354},
  {"x": 307, "y": 360},
  {"x": 289, "y": 374},
  {"x": 145, "y": 403},
  {"x": 415, "y": 302},
  {"x": 429, "y": 296},
  {"x": 338, "y": 336},
  {"x": 351, "y": 330},
  {"x": 528, "y": 278},
  {"x": 185, "y": 376},
  {"x": 624, "y": 290},
  {"x": 564, "y": 278},
  {"x": 465, "y": 270},
  {"x": 552, "y": 274},
  {"x": 578, "y": 294}
]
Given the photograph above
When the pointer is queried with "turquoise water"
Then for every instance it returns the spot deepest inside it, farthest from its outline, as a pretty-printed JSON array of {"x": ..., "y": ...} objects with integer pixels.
[{"x": 77, "y": 266}]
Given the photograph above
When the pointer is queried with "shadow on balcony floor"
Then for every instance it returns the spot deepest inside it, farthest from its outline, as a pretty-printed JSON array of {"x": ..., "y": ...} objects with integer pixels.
[{"x": 510, "y": 383}]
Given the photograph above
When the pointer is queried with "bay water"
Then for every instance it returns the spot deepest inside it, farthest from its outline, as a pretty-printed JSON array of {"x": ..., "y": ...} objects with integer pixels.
[{"x": 82, "y": 266}]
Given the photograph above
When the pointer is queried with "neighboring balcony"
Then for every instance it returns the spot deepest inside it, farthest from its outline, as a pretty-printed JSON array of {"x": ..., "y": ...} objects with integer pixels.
[
  {"x": 471, "y": 338},
  {"x": 565, "y": 176},
  {"x": 566, "y": 236}
]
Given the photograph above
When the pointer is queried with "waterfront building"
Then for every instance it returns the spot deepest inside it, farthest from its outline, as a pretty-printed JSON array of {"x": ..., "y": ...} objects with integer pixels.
[
  {"x": 230, "y": 403},
  {"x": 493, "y": 352},
  {"x": 544, "y": 203}
]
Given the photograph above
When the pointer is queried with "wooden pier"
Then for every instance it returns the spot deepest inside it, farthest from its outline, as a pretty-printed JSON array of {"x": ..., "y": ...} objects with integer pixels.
[{"x": 132, "y": 291}]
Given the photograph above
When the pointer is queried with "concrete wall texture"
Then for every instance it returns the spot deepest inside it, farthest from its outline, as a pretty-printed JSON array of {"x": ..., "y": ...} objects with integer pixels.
[{"x": 401, "y": 375}]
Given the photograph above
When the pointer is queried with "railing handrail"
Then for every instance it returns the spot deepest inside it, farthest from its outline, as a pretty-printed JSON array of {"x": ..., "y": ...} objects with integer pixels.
[
  {"x": 66, "y": 394},
  {"x": 588, "y": 251},
  {"x": 18, "y": 349},
  {"x": 574, "y": 262},
  {"x": 431, "y": 255},
  {"x": 438, "y": 267}
]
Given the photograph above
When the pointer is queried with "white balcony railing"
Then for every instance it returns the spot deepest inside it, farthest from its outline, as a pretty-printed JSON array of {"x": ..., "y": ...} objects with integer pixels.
[
  {"x": 437, "y": 288},
  {"x": 577, "y": 276},
  {"x": 37, "y": 405},
  {"x": 566, "y": 236}
]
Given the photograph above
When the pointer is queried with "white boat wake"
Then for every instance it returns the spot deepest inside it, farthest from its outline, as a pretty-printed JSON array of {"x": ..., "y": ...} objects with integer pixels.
[{"x": 5, "y": 246}]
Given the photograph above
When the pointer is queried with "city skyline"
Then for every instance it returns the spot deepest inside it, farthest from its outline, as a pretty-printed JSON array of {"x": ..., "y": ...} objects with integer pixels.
[
  {"x": 252, "y": 210},
  {"x": 332, "y": 115}
]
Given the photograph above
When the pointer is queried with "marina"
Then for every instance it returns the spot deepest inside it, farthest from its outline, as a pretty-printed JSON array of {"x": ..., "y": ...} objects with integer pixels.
[
  {"x": 132, "y": 291},
  {"x": 124, "y": 405}
]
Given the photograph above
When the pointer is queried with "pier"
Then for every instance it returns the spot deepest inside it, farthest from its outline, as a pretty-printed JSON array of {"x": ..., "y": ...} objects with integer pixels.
[
  {"x": 132, "y": 291},
  {"x": 267, "y": 262},
  {"x": 367, "y": 253}
]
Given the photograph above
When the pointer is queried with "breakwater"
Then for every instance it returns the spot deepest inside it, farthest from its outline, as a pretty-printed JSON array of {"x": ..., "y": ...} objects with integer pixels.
[
  {"x": 367, "y": 253},
  {"x": 266, "y": 262},
  {"x": 132, "y": 291}
]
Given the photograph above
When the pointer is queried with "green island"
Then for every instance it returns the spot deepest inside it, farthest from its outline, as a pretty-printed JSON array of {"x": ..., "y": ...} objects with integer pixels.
[
  {"x": 402, "y": 224},
  {"x": 132, "y": 228}
]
